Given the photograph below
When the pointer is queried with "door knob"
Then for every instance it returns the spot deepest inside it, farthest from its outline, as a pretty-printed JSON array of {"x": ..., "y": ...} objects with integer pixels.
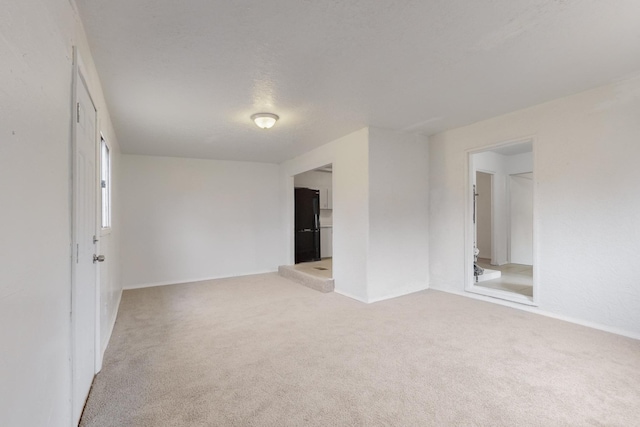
[{"x": 98, "y": 258}]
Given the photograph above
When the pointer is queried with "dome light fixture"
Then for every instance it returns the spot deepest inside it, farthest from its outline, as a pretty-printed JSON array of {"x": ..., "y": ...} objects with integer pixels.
[{"x": 265, "y": 120}]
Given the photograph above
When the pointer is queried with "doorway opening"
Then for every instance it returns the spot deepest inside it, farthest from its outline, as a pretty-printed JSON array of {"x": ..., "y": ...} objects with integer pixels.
[
  {"x": 312, "y": 229},
  {"x": 313, "y": 225},
  {"x": 500, "y": 225}
]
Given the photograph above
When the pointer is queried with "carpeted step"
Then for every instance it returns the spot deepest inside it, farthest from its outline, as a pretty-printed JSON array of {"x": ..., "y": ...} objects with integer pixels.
[{"x": 310, "y": 281}]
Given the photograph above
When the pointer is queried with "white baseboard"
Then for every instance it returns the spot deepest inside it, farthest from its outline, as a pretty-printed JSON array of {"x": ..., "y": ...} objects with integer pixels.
[
  {"x": 350, "y": 296},
  {"x": 104, "y": 340},
  {"x": 535, "y": 310},
  {"x": 383, "y": 298},
  {"x": 398, "y": 294},
  {"x": 199, "y": 279},
  {"x": 105, "y": 343}
]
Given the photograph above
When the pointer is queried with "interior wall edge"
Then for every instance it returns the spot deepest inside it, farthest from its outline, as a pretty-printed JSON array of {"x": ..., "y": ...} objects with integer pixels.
[{"x": 402, "y": 293}]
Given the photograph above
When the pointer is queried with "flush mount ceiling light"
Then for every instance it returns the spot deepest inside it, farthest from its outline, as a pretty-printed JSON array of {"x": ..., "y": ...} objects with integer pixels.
[{"x": 265, "y": 120}]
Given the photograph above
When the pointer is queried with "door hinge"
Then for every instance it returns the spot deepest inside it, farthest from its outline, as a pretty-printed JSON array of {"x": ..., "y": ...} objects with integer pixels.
[
  {"x": 77, "y": 112},
  {"x": 77, "y": 251}
]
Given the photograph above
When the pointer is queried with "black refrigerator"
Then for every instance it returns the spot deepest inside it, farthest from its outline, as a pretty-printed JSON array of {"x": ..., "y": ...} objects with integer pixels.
[{"x": 307, "y": 225}]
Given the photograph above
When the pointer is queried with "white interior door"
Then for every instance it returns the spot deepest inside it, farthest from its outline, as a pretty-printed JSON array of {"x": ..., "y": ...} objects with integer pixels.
[{"x": 83, "y": 305}]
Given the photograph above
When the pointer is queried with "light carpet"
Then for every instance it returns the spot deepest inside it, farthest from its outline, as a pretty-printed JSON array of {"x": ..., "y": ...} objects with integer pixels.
[{"x": 264, "y": 351}]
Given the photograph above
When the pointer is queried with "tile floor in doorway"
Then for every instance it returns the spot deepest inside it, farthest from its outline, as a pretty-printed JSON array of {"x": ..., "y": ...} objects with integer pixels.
[
  {"x": 517, "y": 278},
  {"x": 322, "y": 268}
]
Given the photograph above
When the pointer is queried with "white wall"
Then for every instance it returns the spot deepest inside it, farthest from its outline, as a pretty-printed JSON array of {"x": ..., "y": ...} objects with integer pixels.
[
  {"x": 398, "y": 261},
  {"x": 188, "y": 219},
  {"x": 350, "y": 159},
  {"x": 586, "y": 207},
  {"x": 519, "y": 163},
  {"x": 35, "y": 228},
  {"x": 380, "y": 211}
]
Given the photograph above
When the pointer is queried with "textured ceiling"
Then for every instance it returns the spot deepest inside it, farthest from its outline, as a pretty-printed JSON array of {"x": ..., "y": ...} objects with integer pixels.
[{"x": 183, "y": 78}]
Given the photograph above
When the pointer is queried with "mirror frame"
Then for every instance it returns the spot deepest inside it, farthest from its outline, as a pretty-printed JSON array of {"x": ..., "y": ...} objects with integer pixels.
[{"x": 470, "y": 284}]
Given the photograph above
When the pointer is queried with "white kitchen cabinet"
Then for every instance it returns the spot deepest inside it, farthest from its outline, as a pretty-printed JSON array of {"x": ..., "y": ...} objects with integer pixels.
[
  {"x": 321, "y": 181},
  {"x": 325, "y": 198},
  {"x": 326, "y": 242}
]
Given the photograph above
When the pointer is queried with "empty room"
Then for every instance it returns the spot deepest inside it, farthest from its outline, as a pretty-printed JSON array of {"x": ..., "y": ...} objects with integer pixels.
[{"x": 330, "y": 213}]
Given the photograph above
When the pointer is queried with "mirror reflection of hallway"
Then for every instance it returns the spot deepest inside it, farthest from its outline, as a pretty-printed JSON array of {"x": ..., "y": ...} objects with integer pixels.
[{"x": 503, "y": 220}]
